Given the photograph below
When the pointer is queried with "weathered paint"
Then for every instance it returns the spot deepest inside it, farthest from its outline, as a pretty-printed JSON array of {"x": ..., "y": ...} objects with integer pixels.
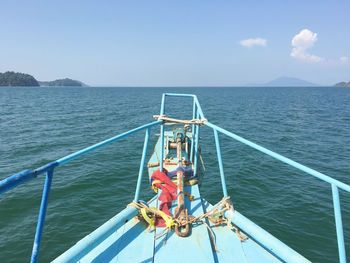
[
  {"x": 15, "y": 180},
  {"x": 24, "y": 176}
]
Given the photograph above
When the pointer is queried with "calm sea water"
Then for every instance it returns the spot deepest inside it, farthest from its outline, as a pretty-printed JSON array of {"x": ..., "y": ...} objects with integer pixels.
[{"x": 39, "y": 125}]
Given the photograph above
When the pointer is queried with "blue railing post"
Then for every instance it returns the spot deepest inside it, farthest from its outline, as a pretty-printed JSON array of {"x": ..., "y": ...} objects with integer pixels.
[
  {"x": 162, "y": 111},
  {"x": 196, "y": 149},
  {"x": 281, "y": 158},
  {"x": 199, "y": 108},
  {"x": 338, "y": 224},
  {"x": 142, "y": 165},
  {"x": 96, "y": 237},
  {"x": 193, "y": 129},
  {"x": 221, "y": 166},
  {"x": 41, "y": 218}
]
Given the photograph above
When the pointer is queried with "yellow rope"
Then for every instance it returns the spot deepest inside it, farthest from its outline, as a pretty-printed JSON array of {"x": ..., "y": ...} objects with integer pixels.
[{"x": 215, "y": 215}]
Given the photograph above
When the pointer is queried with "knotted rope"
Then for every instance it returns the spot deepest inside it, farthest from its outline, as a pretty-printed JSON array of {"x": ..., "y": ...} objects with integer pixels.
[
  {"x": 172, "y": 121},
  {"x": 215, "y": 215}
]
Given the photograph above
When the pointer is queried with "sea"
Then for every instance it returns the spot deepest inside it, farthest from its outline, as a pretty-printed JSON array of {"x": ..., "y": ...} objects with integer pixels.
[{"x": 310, "y": 125}]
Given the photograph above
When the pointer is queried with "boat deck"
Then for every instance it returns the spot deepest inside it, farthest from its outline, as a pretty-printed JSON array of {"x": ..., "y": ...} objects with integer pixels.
[{"x": 134, "y": 243}]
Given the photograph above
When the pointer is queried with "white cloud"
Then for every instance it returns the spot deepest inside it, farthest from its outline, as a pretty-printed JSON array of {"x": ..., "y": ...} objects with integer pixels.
[
  {"x": 343, "y": 59},
  {"x": 301, "y": 43},
  {"x": 253, "y": 42}
]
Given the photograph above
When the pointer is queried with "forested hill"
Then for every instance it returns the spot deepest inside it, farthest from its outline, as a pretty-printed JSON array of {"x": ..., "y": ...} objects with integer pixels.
[
  {"x": 62, "y": 82},
  {"x": 343, "y": 84},
  {"x": 11, "y": 78}
]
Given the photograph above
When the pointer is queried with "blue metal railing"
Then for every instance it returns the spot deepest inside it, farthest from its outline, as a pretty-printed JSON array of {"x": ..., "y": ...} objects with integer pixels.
[
  {"x": 335, "y": 184},
  {"x": 24, "y": 176},
  {"x": 86, "y": 244}
]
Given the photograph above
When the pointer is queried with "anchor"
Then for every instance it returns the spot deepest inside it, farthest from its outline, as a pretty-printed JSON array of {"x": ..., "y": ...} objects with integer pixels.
[{"x": 181, "y": 213}]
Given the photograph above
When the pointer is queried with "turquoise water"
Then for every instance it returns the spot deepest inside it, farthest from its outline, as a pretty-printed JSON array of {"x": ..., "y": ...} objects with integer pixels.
[{"x": 39, "y": 125}]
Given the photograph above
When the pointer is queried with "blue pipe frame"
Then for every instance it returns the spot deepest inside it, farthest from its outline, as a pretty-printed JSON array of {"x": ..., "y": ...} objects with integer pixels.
[
  {"x": 27, "y": 175},
  {"x": 238, "y": 219},
  {"x": 142, "y": 165},
  {"x": 335, "y": 184}
]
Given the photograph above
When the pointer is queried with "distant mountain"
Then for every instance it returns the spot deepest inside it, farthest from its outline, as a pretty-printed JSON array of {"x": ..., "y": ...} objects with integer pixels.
[
  {"x": 62, "y": 82},
  {"x": 289, "y": 82},
  {"x": 16, "y": 79},
  {"x": 342, "y": 84}
]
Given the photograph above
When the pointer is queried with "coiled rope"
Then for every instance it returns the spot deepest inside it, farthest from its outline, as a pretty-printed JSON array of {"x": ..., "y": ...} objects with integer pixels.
[{"x": 215, "y": 215}]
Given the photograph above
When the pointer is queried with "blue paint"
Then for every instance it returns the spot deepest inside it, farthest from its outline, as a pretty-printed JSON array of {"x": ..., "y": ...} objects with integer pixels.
[
  {"x": 194, "y": 112},
  {"x": 286, "y": 160},
  {"x": 104, "y": 143},
  {"x": 27, "y": 175},
  {"x": 221, "y": 166},
  {"x": 338, "y": 224},
  {"x": 131, "y": 243},
  {"x": 231, "y": 247},
  {"x": 42, "y": 215},
  {"x": 271, "y": 243},
  {"x": 162, "y": 112},
  {"x": 179, "y": 95},
  {"x": 179, "y": 133},
  {"x": 23, "y": 176},
  {"x": 45, "y": 167},
  {"x": 15, "y": 180},
  {"x": 142, "y": 165},
  {"x": 89, "y": 242},
  {"x": 196, "y": 149},
  {"x": 196, "y": 248},
  {"x": 201, "y": 114},
  {"x": 263, "y": 241}
]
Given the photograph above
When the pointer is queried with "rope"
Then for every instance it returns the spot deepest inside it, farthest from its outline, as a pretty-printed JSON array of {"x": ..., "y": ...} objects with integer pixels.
[
  {"x": 240, "y": 236},
  {"x": 172, "y": 121},
  {"x": 215, "y": 215},
  {"x": 224, "y": 205},
  {"x": 169, "y": 221}
]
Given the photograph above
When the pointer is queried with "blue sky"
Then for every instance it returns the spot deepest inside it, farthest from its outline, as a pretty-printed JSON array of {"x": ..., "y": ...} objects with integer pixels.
[{"x": 176, "y": 43}]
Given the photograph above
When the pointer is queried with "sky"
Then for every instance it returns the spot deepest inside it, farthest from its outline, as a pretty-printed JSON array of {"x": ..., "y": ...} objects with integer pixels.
[{"x": 178, "y": 42}]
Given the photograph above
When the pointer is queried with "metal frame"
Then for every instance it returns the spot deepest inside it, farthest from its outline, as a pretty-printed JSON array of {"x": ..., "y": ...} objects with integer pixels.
[
  {"x": 26, "y": 175},
  {"x": 264, "y": 237},
  {"x": 86, "y": 244}
]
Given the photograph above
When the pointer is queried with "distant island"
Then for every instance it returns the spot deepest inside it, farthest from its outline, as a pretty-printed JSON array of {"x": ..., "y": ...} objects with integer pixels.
[
  {"x": 343, "y": 84},
  {"x": 61, "y": 83},
  {"x": 11, "y": 79},
  {"x": 288, "y": 82},
  {"x": 17, "y": 79}
]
